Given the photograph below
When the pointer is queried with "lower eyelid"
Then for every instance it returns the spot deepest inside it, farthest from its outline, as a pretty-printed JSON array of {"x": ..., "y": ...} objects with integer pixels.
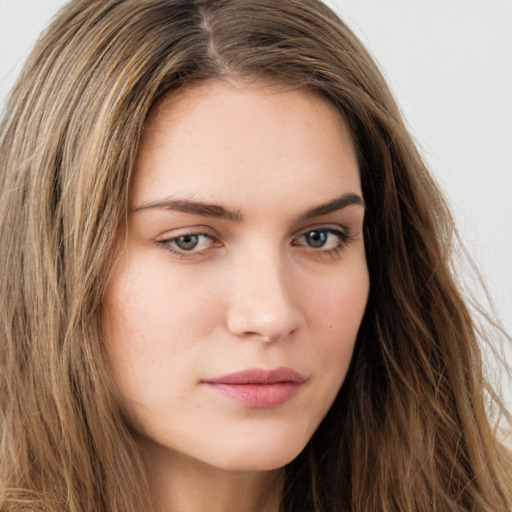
[
  {"x": 170, "y": 246},
  {"x": 343, "y": 237}
]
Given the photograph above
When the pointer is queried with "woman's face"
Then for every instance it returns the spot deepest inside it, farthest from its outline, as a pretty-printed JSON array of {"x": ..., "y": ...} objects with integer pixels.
[{"x": 231, "y": 316}]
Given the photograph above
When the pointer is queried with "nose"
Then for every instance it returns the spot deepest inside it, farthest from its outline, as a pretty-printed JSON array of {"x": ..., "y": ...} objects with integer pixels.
[{"x": 262, "y": 304}]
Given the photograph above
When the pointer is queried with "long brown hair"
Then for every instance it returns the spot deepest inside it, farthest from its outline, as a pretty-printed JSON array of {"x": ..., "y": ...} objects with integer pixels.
[{"x": 409, "y": 429}]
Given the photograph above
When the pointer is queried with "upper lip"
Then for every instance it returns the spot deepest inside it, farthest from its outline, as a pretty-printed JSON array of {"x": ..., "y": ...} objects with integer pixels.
[{"x": 259, "y": 376}]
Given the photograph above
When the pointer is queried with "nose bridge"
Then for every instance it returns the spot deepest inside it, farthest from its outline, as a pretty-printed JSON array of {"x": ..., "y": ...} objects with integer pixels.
[{"x": 262, "y": 302}]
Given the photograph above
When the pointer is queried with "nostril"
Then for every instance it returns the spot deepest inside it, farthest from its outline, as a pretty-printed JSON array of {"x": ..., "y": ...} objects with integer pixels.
[
  {"x": 258, "y": 336},
  {"x": 264, "y": 327},
  {"x": 262, "y": 305}
]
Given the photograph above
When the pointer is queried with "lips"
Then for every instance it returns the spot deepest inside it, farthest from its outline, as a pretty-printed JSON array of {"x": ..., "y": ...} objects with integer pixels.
[{"x": 258, "y": 388}]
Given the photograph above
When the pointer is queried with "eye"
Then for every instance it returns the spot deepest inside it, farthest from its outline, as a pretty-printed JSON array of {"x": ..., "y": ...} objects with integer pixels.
[
  {"x": 323, "y": 241},
  {"x": 188, "y": 244},
  {"x": 316, "y": 238}
]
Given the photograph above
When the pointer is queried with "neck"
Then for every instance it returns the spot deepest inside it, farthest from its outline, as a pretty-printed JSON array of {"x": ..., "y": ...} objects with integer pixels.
[{"x": 181, "y": 484}]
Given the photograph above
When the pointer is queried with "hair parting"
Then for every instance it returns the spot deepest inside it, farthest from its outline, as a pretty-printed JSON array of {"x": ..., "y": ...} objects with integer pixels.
[{"x": 409, "y": 429}]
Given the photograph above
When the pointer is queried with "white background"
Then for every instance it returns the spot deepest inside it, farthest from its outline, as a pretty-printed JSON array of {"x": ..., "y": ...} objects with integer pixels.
[{"x": 449, "y": 63}]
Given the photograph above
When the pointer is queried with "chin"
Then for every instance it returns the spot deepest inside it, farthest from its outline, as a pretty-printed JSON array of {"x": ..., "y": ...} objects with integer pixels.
[{"x": 264, "y": 455}]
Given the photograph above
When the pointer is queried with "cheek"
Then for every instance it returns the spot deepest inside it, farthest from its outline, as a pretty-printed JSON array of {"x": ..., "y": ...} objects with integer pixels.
[
  {"x": 154, "y": 324},
  {"x": 151, "y": 310},
  {"x": 334, "y": 316},
  {"x": 337, "y": 304}
]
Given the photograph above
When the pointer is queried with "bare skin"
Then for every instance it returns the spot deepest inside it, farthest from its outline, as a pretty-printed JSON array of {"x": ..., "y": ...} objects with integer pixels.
[{"x": 191, "y": 486}]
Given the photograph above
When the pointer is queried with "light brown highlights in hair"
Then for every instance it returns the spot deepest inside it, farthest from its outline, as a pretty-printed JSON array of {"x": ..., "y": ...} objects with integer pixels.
[{"x": 409, "y": 430}]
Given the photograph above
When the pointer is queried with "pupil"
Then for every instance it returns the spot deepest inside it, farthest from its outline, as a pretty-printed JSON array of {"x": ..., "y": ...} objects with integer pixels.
[
  {"x": 187, "y": 242},
  {"x": 316, "y": 238}
]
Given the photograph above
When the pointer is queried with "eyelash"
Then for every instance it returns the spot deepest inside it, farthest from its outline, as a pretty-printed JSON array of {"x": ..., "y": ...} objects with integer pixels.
[
  {"x": 167, "y": 244},
  {"x": 343, "y": 239}
]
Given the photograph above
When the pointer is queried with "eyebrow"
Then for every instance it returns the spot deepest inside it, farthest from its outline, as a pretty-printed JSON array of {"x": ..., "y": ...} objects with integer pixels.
[
  {"x": 194, "y": 207},
  {"x": 332, "y": 206},
  {"x": 219, "y": 212}
]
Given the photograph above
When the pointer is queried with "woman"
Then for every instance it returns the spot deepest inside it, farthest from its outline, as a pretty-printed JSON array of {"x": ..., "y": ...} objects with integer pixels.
[{"x": 225, "y": 275}]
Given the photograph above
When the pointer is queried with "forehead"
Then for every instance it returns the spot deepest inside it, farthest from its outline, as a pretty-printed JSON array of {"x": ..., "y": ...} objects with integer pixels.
[{"x": 229, "y": 140}]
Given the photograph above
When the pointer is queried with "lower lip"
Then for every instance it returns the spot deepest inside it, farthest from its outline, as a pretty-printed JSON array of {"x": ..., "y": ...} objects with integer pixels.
[{"x": 258, "y": 396}]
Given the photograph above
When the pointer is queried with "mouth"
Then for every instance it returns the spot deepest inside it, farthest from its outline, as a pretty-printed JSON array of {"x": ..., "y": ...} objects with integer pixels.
[{"x": 257, "y": 388}]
